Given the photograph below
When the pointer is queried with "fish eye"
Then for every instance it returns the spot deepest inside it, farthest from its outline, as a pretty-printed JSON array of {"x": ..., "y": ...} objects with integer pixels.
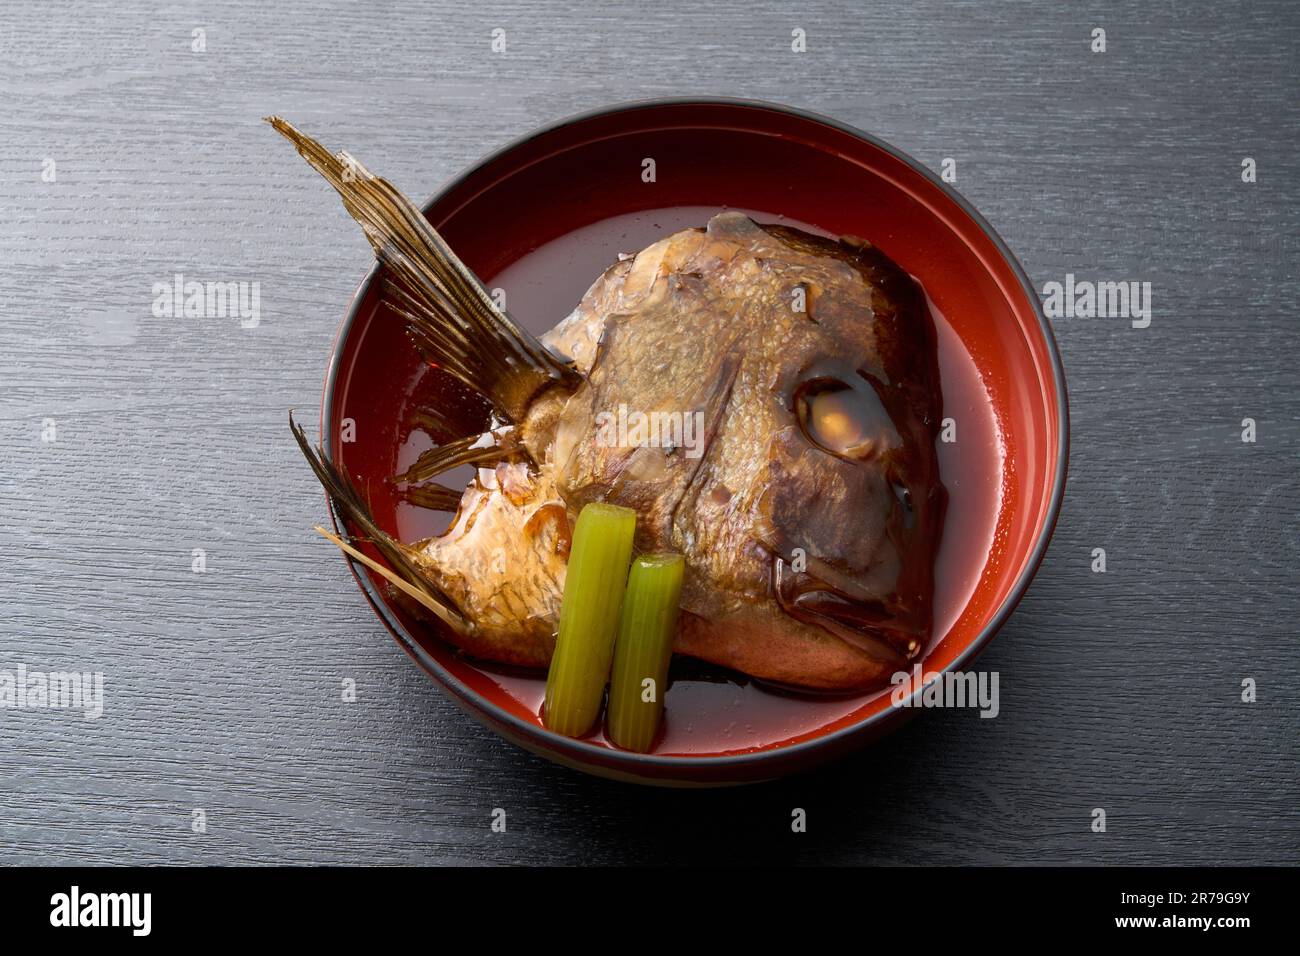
[{"x": 844, "y": 419}]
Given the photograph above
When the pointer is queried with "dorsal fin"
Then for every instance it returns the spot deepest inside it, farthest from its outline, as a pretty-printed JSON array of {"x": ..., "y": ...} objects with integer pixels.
[{"x": 450, "y": 316}]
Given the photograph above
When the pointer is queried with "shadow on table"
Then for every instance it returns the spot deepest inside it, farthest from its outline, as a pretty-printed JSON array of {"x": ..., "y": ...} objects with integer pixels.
[{"x": 861, "y": 808}]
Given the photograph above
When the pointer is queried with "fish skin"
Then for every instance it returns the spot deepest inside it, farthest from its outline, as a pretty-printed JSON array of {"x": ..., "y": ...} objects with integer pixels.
[{"x": 703, "y": 321}]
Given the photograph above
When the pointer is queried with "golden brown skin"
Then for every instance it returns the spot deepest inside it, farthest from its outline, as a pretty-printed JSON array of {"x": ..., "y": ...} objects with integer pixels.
[{"x": 806, "y": 565}]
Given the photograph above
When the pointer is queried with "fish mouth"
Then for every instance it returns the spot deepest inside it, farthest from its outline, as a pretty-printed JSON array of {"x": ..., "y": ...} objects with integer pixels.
[{"x": 830, "y": 600}]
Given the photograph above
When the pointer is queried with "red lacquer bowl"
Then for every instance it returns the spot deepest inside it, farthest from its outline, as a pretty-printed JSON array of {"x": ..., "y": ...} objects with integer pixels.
[{"x": 543, "y": 217}]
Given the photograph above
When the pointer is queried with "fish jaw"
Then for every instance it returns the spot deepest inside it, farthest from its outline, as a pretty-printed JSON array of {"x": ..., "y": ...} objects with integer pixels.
[{"x": 783, "y": 651}]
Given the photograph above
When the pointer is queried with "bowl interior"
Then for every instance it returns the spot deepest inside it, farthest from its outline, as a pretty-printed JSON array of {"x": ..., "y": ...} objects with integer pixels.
[{"x": 542, "y": 219}]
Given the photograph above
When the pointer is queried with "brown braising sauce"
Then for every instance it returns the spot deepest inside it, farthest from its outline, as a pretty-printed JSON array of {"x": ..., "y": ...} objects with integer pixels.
[{"x": 709, "y": 710}]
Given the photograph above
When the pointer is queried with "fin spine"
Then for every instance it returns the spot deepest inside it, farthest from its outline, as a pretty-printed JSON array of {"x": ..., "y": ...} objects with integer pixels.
[
  {"x": 345, "y": 498},
  {"x": 451, "y": 315}
]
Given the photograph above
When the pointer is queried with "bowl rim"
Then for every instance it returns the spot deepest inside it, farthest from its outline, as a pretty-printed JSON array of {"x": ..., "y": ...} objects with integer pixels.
[{"x": 582, "y": 751}]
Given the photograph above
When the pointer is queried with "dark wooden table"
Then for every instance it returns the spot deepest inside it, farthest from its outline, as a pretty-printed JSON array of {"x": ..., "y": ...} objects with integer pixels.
[{"x": 1120, "y": 690}]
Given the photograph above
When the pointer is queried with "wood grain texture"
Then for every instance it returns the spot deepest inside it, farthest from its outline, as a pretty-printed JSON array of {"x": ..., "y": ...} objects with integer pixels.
[{"x": 1118, "y": 690}]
